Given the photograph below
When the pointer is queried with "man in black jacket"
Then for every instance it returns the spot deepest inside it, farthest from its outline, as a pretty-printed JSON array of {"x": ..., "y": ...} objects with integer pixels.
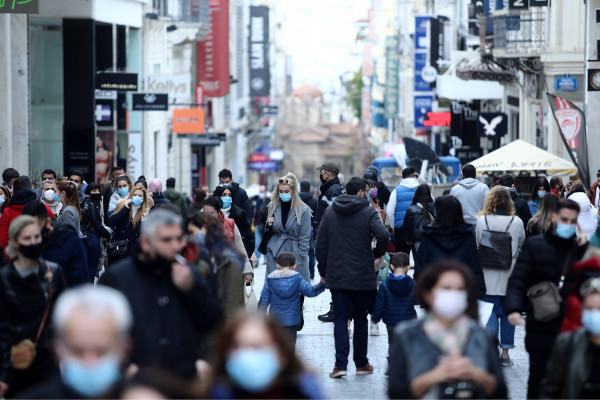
[
  {"x": 307, "y": 197},
  {"x": 346, "y": 264},
  {"x": 521, "y": 207},
  {"x": 544, "y": 258},
  {"x": 172, "y": 304},
  {"x": 240, "y": 197}
]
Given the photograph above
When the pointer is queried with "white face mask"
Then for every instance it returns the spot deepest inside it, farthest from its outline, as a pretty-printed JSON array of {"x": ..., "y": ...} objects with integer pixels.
[
  {"x": 449, "y": 304},
  {"x": 49, "y": 195}
]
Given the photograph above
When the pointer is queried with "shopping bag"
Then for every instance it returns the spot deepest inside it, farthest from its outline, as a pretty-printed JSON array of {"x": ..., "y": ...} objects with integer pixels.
[{"x": 251, "y": 303}]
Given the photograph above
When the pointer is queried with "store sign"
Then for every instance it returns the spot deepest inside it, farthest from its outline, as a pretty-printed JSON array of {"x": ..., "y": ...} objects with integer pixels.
[
  {"x": 104, "y": 113},
  {"x": 188, "y": 120},
  {"x": 492, "y": 125},
  {"x": 209, "y": 140},
  {"x": 178, "y": 87},
  {"x": 423, "y": 105},
  {"x": 420, "y": 64},
  {"x": 566, "y": 83},
  {"x": 518, "y": 4},
  {"x": 421, "y": 22},
  {"x": 538, "y": 3},
  {"x": 105, "y": 94},
  {"x": 19, "y": 6},
  {"x": 269, "y": 111},
  {"x": 150, "y": 102},
  {"x": 263, "y": 166},
  {"x": 438, "y": 119},
  {"x": 503, "y": 77},
  {"x": 121, "y": 81},
  {"x": 213, "y": 52},
  {"x": 392, "y": 78},
  {"x": 260, "y": 68}
]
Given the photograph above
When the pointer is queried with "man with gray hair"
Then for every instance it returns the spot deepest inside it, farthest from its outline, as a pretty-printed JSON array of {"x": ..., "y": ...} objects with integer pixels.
[
  {"x": 91, "y": 327},
  {"x": 171, "y": 302}
]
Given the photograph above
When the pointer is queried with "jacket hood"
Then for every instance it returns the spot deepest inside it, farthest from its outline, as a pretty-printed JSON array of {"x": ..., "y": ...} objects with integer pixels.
[
  {"x": 305, "y": 196},
  {"x": 468, "y": 183},
  {"x": 22, "y": 197},
  {"x": 583, "y": 201},
  {"x": 448, "y": 238},
  {"x": 349, "y": 204},
  {"x": 400, "y": 287},
  {"x": 285, "y": 283},
  {"x": 410, "y": 183}
]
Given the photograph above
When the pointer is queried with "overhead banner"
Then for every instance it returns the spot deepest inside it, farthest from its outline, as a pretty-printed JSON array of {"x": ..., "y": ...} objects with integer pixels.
[
  {"x": 188, "y": 120},
  {"x": 260, "y": 72},
  {"x": 571, "y": 123},
  {"x": 423, "y": 105},
  {"x": 121, "y": 81},
  {"x": 492, "y": 125},
  {"x": 392, "y": 71},
  {"x": 213, "y": 52}
]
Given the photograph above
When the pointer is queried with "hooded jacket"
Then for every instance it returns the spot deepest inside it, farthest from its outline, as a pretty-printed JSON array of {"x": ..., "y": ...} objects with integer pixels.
[
  {"x": 328, "y": 192},
  {"x": 240, "y": 199},
  {"x": 456, "y": 243},
  {"x": 587, "y": 213},
  {"x": 395, "y": 300},
  {"x": 471, "y": 194},
  {"x": 311, "y": 202},
  {"x": 343, "y": 244},
  {"x": 177, "y": 199},
  {"x": 159, "y": 198},
  {"x": 66, "y": 248},
  {"x": 400, "y": 201},
  {"x": 521, "y": 206},
  {"x": 282, "y": 292},
  {"x": 14, "y": 210}
]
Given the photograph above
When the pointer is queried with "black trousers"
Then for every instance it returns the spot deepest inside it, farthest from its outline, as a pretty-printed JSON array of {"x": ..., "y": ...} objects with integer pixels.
[
  {"x": 399, "y": 242},
  {"x": 538, "y": 359}
]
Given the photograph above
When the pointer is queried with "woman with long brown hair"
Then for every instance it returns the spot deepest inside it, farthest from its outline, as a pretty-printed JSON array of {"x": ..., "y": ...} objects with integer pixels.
[
  {"x": 253, "y": 358},
  {"x": 70, "y": 214},
  {"x": 542, "y": 220},
  {"x": 127, "y": 219}
]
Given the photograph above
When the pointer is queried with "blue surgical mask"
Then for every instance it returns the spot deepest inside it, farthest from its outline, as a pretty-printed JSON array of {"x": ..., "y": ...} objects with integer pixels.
[
  {"x": 285, "y": 197},
  {"x": 253, "y": 369},
  {"x": 199, "y": 238},
  {"x": 541, "y": 193},
  {"x": 565, "y": 231},
  {"x": 226, "y": 201},
  {"x": 56, "y": 198},
  {"x": 2, "y": 200},
  {"x": 91, "y": 380},
  {"x": 123, "y": 192},
  {"x": 590, "y": 319},
  {"x": 137, "y": 201}
]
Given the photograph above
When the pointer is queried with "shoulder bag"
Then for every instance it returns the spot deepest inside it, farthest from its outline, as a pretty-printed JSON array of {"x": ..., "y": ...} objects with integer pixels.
[
  {"x": 262, "y": 247},
  {"x": 545, "y": 296},
  {"x": 495, "y": 248},
  {"x": 426, "y": 211},
  {"x": 118, "y": 248},
  {"x": 23, "y": 353}
]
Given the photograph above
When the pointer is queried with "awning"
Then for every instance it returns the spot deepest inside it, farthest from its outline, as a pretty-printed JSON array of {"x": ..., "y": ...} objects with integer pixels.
[{"x": 522, "y": 158}]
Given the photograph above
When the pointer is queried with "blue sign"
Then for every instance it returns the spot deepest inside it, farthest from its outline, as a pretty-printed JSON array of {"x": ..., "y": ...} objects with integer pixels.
[
  {"x": 420, "y": 63},
  {"x": 377, "y": 117},
  {"x": 566, "y": 83},
  {"x": 263, "y": 165},
  {"x": 421, "y": 42},
  {"x": 423, "y": 105},
  {"x": 489, "y": 6}
]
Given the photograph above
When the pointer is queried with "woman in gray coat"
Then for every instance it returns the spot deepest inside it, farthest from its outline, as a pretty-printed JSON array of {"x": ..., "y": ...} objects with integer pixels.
[
  {"x": 290, "y": 220},
  {"x": 70, "y": 214}
]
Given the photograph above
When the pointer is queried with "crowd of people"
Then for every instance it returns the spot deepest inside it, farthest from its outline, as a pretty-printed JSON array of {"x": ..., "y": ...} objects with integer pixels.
[{"x": 127, "y": 290}]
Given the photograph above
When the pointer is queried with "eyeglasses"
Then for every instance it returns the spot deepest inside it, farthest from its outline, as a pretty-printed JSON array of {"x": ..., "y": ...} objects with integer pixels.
[
  {"x": 589, "y": 286},
  {"x": 287, "y": 181}
]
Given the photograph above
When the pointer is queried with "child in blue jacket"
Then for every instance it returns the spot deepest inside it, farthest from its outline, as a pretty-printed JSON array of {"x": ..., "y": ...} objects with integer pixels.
[
  {"x": 282, "y": 291},
  {"x": 395, "y": 299}
]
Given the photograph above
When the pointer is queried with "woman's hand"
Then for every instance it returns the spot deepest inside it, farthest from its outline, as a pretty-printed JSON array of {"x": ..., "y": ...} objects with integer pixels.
[
  {"x": 248, "y": 277},
  {"x": 128, "y": 203},
  {"x": 270, "y": 221},
  {"x": 462, "y": 369}
]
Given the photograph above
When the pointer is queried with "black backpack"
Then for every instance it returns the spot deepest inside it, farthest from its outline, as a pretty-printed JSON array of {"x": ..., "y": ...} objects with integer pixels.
[{"x": 495, "y": 248}]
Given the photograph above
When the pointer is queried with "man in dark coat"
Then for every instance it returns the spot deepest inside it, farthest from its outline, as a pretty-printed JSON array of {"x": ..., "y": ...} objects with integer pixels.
[
  {"x": 171, "y": 303},
  {"x": 307, "y": 197},
  {"x": 521, "y": 207},
  {"x": 544, "y": 258},
  {"x": 346, "y": 263},
  {"x": 240, "y": 197}
]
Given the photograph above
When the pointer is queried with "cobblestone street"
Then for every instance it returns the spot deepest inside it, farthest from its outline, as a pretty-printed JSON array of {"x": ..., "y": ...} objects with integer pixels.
[{"x": 316, "y": 348}]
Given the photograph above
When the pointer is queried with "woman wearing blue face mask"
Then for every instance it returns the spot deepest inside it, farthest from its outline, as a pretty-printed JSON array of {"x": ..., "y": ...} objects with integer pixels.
[
  {"x": 539, "y": 189},
  {"x": 574, "y": 368},
  {"x": 253, "y": 358},
  {"x": 4, "y": 198},
  {"x": 124, "y": 185},
  {"x": 127, "y": 219}
]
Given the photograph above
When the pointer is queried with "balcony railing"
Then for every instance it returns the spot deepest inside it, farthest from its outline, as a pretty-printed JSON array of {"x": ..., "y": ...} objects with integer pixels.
[
  {"x": 522, "y": 33},
  {"x": 192, "y": 11}
]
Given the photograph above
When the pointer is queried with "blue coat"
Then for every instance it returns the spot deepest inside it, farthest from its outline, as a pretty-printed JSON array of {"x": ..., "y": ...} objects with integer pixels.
[
  {"x": 395, "y": 300},
  {"x": 66, "y": 248},
  {"x": 282, "y": 291}
]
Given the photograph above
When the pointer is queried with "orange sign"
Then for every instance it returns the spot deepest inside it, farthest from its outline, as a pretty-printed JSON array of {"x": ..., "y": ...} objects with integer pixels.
[{"x": 188, "y": 120}]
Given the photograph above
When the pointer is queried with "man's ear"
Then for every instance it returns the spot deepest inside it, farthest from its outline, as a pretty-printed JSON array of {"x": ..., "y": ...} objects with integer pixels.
[{"x": 145, "y": 245}]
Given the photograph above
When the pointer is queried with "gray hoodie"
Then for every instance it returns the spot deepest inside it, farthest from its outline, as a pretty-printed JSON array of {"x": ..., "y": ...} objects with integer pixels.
[{"x": 471, "y": 194}]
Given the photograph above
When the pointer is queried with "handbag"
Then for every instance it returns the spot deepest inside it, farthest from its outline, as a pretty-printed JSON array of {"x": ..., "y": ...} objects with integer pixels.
[
  {"x": 545, "y": 296},
  {"x": 262, "y": 247},
  {"x": 495, "y": 247},
  {"x": 251, "y": 304},
  {"x": 118, "y": 248},
  {"x": 23, "y": 353}
]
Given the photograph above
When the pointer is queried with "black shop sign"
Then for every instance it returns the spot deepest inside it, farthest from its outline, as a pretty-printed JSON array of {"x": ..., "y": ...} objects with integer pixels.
[
  {"x": 120, "y": 81},
  {"x": 150, "y": 102}
]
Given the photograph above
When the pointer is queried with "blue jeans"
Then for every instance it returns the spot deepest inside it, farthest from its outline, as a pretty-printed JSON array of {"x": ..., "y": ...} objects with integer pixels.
[
  {"x": 311, "y": 254},
  {"x": 258, "y": 235},
  {"x": 350, "y": 304},
  {"x": 507, "y": 331}
]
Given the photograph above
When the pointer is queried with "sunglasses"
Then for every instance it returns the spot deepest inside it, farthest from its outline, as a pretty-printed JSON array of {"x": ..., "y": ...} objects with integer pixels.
[
  {"x": 287, "y": 181},
  {"x": 48, "y": 181},
  {"x": 589, "y": 286},
  {"x": 224, "y": 185}
]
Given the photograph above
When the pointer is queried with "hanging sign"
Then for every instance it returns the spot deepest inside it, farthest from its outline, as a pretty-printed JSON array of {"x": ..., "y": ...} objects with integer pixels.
[
  {"x": 188, "y": 120},
  {"x": 150, "y": 102}
]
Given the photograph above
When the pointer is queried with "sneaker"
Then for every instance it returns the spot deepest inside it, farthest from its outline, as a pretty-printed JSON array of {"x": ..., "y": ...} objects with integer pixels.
[
  {"x": 338, "y": 373},
  {"x": 506, "y": 362},
  {"x": 374, "y": 330},
  {"x": 366, "y": 370},
  {"x": 327, "y": 317}
]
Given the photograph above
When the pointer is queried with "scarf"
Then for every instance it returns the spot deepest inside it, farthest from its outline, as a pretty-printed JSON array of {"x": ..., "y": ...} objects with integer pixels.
[{"x": 451, "y": 341}]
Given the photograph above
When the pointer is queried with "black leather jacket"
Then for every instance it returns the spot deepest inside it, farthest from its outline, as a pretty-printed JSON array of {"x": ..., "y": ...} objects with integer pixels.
[
  {"x": 91, "y": 213},
  {"x": 414, "y": 219}
]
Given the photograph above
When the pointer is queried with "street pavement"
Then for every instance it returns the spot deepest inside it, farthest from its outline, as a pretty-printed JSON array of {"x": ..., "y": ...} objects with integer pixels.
[{"x": 316, "y": 347}]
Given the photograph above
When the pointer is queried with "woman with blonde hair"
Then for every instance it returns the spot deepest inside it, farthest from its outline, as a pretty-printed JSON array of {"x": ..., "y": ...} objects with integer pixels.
[
  {"x": 290, "y": 220},
  {"x": 498, "y": 215},
  {"x": 127, "y": 219}
]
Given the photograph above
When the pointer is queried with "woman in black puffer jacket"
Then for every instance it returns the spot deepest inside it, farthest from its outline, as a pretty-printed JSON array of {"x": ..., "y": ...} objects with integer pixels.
[{"x": 421, "y": 212}]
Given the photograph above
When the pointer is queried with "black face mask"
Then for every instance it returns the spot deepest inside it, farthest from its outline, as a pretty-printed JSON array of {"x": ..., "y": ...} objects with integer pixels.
[
  {"x": 33, "y": 251},
  {"x": 322, "y": 179},
  {"x": 96, "y": 197},
  {"x": 161, "y": 265}
]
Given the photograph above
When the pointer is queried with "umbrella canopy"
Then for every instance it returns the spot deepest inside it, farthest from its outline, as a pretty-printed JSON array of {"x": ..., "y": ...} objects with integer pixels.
[
  {"x": 418, "y": 151},
  {"x": 522, "y": 158}
]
